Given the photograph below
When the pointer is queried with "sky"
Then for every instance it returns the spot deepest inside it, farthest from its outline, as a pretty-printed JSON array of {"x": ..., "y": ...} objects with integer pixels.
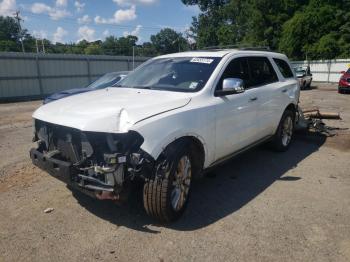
[{"x": 69, "y": 21}]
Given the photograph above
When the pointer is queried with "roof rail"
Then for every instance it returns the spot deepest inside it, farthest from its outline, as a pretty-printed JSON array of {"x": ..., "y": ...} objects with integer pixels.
[{"x": 239, "y": 47}]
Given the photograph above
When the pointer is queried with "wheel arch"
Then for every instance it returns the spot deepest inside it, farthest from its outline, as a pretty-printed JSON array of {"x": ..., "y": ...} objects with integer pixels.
[
  {"x": 197, "y": 153},
  {"x": 197, "y": 148},
  {"x": 292, "y": 107}
]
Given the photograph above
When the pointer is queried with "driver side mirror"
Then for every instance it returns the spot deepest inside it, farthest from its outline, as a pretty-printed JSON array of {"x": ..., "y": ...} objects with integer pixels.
[
  {"x": 231, "y": 86},
  {"x": 342, "y": 72}
]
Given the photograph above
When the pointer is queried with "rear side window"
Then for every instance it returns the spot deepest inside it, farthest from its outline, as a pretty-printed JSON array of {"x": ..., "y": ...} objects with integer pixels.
[
  {"x": 262, "y": 72},
  {"x": 284, "y": 68}
]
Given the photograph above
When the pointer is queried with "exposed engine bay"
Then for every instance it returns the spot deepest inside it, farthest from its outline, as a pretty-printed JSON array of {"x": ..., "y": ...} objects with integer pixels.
[{"x": 100, "y": 164}]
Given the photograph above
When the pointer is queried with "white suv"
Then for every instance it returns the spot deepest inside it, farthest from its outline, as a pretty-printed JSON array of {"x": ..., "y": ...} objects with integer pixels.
[{"x": 166, "y": 123}]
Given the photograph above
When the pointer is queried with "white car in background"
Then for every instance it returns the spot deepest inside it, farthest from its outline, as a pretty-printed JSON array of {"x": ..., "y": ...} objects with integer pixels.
[
  {"x": 304, "y": 76},
  {"x": 166, "y": 123}
]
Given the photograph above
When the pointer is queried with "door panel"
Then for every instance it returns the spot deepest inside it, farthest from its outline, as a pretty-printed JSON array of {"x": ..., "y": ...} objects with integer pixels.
[
  {"x": 235, "y": 122},
  {"x": 235, "y": 114},
  {"x": 268, "y": 90}
]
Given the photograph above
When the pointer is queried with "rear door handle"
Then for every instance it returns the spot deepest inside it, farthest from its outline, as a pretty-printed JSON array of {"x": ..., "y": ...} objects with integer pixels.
[{"x": 253, "y": 99}]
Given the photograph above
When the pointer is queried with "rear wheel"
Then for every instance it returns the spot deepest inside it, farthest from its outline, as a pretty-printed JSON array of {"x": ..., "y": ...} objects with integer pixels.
[
  {"x": 339, "y": 90},
  {"x": 309, "y": 85},
  {"x": 284, "y": 134},
  {"x": 165, "y": 197}
]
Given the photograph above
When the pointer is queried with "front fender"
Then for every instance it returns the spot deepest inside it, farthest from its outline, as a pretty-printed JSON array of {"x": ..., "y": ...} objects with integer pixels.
[{"x": 160, "y": 131}]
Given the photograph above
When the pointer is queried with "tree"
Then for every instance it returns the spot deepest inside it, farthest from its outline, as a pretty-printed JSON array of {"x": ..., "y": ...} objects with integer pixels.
[
  {"x": 125, "y": 45},
  {"x": 9, "y": 34},
  {"x": 168, "y": 41},
  {"x": 146, "y": 49},
  {"x": 312, "y": 28},
  {"x": 8, "y": 46},
  {"x": 314, "y": 31},
  {"x": 93, "y": 49},
  {"x": 110, "y": 45}
]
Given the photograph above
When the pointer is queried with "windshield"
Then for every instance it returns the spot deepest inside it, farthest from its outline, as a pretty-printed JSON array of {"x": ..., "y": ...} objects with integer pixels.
[
  {"x": 300, "y": 71},
  {"x": 185, "y": 74},
  {"x": 348, "y": 72},
  {"x": 107, "y": 80}
]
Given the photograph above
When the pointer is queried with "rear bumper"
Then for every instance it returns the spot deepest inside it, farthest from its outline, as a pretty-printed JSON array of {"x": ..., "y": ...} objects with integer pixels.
[{"x": 60, "y": 170}]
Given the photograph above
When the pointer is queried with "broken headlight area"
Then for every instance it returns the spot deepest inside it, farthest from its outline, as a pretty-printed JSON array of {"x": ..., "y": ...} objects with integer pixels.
[{"x": 104, "y": 164}]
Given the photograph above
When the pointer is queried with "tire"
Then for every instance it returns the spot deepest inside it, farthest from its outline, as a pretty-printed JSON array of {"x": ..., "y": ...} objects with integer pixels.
[
  {"x": 284, "y": 134},
  {"x": 340, "y": 91},
  {"x": 165, "y": 197},
  {"x": 308, "y": 85}
]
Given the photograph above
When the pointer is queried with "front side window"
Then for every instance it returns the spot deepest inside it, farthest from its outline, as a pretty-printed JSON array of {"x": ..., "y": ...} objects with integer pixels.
[
  {"x": 284, "y": 68},
  {"x": 237, "y": 68},
  {"x": 262, "y": 72},
  {"x": 184, "y": 74}
]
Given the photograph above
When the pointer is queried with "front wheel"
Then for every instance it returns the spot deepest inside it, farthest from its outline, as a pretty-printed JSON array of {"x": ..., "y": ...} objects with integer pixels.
[
  {"x": 166, "y": 196},
  {"x": 284, "y": 134}
]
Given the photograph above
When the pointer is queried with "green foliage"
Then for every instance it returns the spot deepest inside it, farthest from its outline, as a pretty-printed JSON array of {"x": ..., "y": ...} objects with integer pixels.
[
  {"x": 168, "y": 41},
  {"x": 8, "y": 46},
  {"x": 317, "y": 29},
  {"x": 93, "y": 49},
  {"x": 9, "y": 29},
  {"x": 9, "y": 34}
]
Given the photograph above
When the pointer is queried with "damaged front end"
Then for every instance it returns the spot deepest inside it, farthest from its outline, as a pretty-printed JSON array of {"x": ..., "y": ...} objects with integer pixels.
[{"x": 102, "y": 165}]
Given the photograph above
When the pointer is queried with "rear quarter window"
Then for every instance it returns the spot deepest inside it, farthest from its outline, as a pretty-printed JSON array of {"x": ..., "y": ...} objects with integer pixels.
[{"x": 284, "y": 68}]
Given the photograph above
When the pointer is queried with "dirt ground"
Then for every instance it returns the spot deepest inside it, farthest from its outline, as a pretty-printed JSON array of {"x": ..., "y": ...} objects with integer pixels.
[{"x": 260, "y": 206}]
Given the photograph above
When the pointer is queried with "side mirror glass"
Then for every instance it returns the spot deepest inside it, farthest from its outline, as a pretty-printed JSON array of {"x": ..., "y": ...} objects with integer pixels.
[{"x": 231, "y": 86}]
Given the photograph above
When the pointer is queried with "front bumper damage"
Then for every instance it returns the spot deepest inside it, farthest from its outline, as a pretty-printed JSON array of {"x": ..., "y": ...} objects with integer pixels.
[{"x": 102, "y": 165}]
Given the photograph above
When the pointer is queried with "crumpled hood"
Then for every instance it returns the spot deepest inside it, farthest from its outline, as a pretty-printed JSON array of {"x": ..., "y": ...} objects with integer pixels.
[{"x": 110, "y": 110}]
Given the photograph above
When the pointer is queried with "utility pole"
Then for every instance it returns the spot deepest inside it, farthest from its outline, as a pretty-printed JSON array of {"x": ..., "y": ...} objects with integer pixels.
[
  {"x": 133, "y": 58},
  {"x": 36, "y": 44},
  {"x": 18, "y": 18},
  {"x": 42, "y": 44}
]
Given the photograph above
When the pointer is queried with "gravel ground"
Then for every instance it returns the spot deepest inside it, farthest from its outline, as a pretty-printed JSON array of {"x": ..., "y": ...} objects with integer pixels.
[{"x": 260, "y": 206}]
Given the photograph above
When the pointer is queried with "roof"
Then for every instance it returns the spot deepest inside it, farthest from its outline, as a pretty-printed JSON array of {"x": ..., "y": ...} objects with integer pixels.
[{"x": 218, "y": 53}]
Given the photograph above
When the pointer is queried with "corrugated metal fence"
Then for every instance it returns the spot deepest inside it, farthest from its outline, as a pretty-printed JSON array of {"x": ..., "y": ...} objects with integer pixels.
[
  {"x": 24, "y": 76},
  {"x": 325, "y": 70}
]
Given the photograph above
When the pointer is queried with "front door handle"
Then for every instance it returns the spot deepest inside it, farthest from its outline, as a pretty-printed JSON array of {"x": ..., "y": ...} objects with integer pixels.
[
  {"x": 284, "y": 90},
  {"x": 253, "y": 99}
]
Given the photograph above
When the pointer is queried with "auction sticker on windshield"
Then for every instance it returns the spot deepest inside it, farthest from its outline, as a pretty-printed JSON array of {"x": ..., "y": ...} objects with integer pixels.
[{"x": 202, "y": 60}]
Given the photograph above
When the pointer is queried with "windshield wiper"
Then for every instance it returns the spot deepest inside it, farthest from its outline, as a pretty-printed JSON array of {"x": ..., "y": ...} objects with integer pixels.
[
  {"x": 137, "y": 87},
  {"x": 142, "y": 87}
]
